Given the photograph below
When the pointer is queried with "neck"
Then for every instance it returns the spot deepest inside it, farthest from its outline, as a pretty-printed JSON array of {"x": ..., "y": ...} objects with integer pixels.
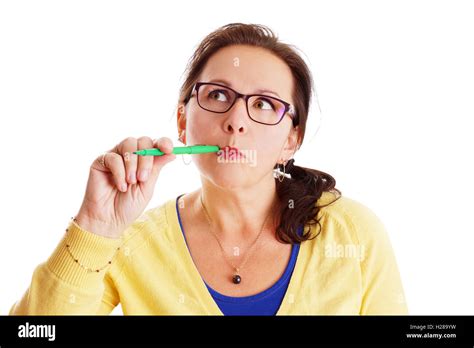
[{"x": 238, "y": 214}]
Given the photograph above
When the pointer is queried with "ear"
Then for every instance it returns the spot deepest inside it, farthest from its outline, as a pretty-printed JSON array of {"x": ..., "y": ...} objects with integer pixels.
[
  {"x": 181, "y": 122},
  {"x": 291, "y": 144}
]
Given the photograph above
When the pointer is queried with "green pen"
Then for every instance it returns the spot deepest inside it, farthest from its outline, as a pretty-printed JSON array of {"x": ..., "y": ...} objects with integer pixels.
[{"x": 180, "y": 150}]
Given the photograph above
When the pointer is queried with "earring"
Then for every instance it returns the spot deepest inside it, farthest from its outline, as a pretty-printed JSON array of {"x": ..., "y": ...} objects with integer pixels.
[
  {"x": 182, "y": 156},
  {"x": 279, "y": 174}
]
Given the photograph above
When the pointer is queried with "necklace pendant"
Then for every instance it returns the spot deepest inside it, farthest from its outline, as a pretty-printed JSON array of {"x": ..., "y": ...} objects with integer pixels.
[{"x": 236, "y": 279}]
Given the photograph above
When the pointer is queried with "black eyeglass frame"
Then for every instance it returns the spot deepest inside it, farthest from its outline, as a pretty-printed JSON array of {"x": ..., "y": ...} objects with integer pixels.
[{"x": 289, "y": 109}]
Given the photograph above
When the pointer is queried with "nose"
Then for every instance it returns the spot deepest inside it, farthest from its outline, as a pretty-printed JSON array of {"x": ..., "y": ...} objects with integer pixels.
[{"x": 237, "y": 119}]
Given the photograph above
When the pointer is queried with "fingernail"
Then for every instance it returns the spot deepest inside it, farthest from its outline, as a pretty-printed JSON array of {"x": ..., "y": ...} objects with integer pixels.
[
  {"x": 132, "y": 178},
  {"x": 124, "y": 187},
  {"x": 143, "y": 175}
]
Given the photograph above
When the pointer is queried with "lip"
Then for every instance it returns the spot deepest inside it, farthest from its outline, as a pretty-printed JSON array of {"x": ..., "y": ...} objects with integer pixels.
[{"x": 230, "y": 151}]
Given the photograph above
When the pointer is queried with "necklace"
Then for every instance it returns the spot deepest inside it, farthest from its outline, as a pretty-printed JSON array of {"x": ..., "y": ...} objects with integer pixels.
[{"x": 236, "y": 279}]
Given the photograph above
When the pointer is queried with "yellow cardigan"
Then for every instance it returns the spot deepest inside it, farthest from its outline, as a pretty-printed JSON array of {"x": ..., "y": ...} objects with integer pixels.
[{"x": 350, "y": 268}]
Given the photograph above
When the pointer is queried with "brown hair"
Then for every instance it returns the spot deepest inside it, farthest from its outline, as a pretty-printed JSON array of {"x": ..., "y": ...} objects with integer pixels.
[{"x": 297, "y": 196}]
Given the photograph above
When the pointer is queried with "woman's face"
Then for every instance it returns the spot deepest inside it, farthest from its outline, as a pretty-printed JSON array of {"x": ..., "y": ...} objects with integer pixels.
[{"x": 248, "y": 70}]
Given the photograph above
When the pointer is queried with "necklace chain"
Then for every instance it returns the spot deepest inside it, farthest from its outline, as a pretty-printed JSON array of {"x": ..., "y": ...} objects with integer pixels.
[{"x": 248, "y": 253}]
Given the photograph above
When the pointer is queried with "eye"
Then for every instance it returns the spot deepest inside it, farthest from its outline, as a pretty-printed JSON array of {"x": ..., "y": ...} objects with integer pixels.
[
  {"x": 264, "y": 104},
  {"x": 218, "y": 95}
]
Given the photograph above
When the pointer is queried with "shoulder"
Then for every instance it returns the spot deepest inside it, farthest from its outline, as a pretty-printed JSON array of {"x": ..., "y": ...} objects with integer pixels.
[
  {"x": 350, "y": 222},
  {"x": 350, "y": 218}
]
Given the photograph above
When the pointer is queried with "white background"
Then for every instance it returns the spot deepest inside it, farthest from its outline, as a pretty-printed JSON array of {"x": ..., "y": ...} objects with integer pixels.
[{"x": 395, "y": 86}]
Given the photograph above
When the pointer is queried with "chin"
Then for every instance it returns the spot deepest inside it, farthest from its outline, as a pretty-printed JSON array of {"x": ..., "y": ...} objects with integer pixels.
[{"x": 229, "y": 176}]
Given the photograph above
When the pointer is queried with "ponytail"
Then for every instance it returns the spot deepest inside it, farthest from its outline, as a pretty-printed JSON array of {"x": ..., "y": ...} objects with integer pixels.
[{"x": 297, "y": 201}]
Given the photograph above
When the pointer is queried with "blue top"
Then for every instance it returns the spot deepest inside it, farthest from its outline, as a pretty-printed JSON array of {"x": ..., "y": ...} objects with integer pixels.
[{"x": 266, "y": 302}]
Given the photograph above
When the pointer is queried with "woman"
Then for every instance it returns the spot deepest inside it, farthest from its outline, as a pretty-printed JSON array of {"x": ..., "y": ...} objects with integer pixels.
[{"x": 262, "y": 236}]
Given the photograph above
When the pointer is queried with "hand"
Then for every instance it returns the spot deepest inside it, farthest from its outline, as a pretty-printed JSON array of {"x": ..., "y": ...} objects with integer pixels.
[{"x": 120, "y": 185}]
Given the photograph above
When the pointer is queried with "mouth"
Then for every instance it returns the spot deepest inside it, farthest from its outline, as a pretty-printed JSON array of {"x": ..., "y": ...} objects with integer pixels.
[{"x": 230, "y": 152}]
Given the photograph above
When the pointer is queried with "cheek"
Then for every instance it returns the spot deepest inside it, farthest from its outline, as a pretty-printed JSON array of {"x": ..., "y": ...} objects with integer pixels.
[
  {"x": 199, "y": 128},
  {"x": 269, "y": 146}
]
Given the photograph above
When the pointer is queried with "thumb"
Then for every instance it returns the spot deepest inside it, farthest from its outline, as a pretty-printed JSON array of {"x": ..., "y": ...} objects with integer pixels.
[{"x": 165, "y": 145}]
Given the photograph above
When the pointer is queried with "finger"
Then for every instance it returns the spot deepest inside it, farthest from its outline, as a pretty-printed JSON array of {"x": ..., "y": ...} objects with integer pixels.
[
  {"x": 99, "y": 163},
  {"x": 126, "y": 149},
  {"x": 165, "y": 145},
  {"x": 145, "y": 163},
  {"x": 113, "y": 163}
]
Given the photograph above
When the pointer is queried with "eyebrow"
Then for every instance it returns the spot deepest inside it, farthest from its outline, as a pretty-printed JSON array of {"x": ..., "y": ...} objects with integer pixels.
[{"x": 258, "y": 91}]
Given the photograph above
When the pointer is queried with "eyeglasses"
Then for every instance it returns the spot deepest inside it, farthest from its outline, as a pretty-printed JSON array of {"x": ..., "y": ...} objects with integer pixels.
[{"x": 261, "y": 108}]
